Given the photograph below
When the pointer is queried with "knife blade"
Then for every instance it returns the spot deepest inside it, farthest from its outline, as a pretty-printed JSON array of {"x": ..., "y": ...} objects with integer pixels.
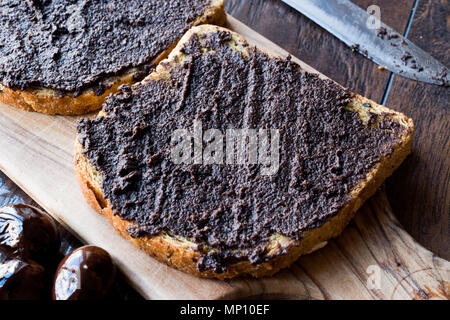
[{"x": 382, "y": 45}]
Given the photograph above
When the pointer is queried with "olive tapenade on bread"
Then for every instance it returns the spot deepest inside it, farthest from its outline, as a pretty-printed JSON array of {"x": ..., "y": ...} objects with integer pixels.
[
  {"x": 222, "y": 220},
  {"x": 66, "y": 56}
]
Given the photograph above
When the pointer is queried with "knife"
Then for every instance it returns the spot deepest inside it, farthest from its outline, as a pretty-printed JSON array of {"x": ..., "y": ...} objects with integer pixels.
[{"x": 381, "y": 44}]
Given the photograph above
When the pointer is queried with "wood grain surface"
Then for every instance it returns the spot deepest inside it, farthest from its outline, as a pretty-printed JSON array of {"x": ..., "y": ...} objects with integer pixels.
[
  {"x": 419, "y": 191},
  {"x": 373, "y": 259}
]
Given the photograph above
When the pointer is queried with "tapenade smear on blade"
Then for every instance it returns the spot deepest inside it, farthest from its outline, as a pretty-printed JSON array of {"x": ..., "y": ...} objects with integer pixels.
[
  {"x": 234, "y": 213},
  {"x": 65, "y": 56}
]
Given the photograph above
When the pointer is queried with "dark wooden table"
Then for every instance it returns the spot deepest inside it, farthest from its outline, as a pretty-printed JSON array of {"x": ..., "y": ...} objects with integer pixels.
[{"x": 419, "y": 191}]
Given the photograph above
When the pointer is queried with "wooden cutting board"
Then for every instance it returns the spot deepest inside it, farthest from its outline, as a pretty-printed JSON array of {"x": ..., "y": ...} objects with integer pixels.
[{"x": 373, "y": 259}]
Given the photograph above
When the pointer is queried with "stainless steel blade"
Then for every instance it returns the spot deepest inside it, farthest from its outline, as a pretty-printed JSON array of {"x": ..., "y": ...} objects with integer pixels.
[{"x": 383, "y": 45}]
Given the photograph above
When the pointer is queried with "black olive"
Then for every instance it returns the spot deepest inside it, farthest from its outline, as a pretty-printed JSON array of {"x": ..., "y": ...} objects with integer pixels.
[
  {"x": 20, "y": 279},
  {"x": 85, "y": 274},
  {"x": 28, "y": 232}
]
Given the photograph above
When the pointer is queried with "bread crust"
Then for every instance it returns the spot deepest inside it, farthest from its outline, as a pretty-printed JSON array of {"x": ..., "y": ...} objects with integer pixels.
[
  {"x": 47, "y": 101},
  {"x": 182, "y": 254}
]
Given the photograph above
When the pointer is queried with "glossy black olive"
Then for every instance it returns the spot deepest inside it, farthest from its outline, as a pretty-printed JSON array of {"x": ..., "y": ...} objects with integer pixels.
[
  {"x": 29, "y": 233},
  {"x": 20, "y": 279},
  {"x": 86, "y": 273}
]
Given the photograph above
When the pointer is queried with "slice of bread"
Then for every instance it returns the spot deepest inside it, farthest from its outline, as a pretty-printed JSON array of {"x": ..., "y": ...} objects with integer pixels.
[
  {"x": 48, "y": 101},
  {"x": 183, "y": 253}
]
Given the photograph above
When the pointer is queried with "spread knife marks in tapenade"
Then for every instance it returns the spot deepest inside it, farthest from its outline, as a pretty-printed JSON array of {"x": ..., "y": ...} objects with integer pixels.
[{"x": 325, "y": 151}]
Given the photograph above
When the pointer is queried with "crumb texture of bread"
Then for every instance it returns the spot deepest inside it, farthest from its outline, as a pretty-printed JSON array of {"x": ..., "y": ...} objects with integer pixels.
[
  {"x": 46, "y": 100},
  {"x": 182, "y": 253}
]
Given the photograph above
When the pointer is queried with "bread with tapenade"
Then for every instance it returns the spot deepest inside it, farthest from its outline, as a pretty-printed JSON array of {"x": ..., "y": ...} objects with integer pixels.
[
  {"x": 227, "y": 220},
  {"x": 57, "y": 57}
]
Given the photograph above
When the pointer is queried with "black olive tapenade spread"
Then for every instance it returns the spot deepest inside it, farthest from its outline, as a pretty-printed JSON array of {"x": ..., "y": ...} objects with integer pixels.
[
  {"x": 69, "y": 45},
  {"x": 325, "y": 151}
]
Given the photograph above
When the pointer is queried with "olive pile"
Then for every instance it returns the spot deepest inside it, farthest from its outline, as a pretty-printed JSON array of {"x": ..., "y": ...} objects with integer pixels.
[{"x": 29, "y": 245}]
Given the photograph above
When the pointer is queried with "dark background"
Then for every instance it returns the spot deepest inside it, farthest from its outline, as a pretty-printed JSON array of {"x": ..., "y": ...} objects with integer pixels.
[{"x": 419, "y": 191}]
